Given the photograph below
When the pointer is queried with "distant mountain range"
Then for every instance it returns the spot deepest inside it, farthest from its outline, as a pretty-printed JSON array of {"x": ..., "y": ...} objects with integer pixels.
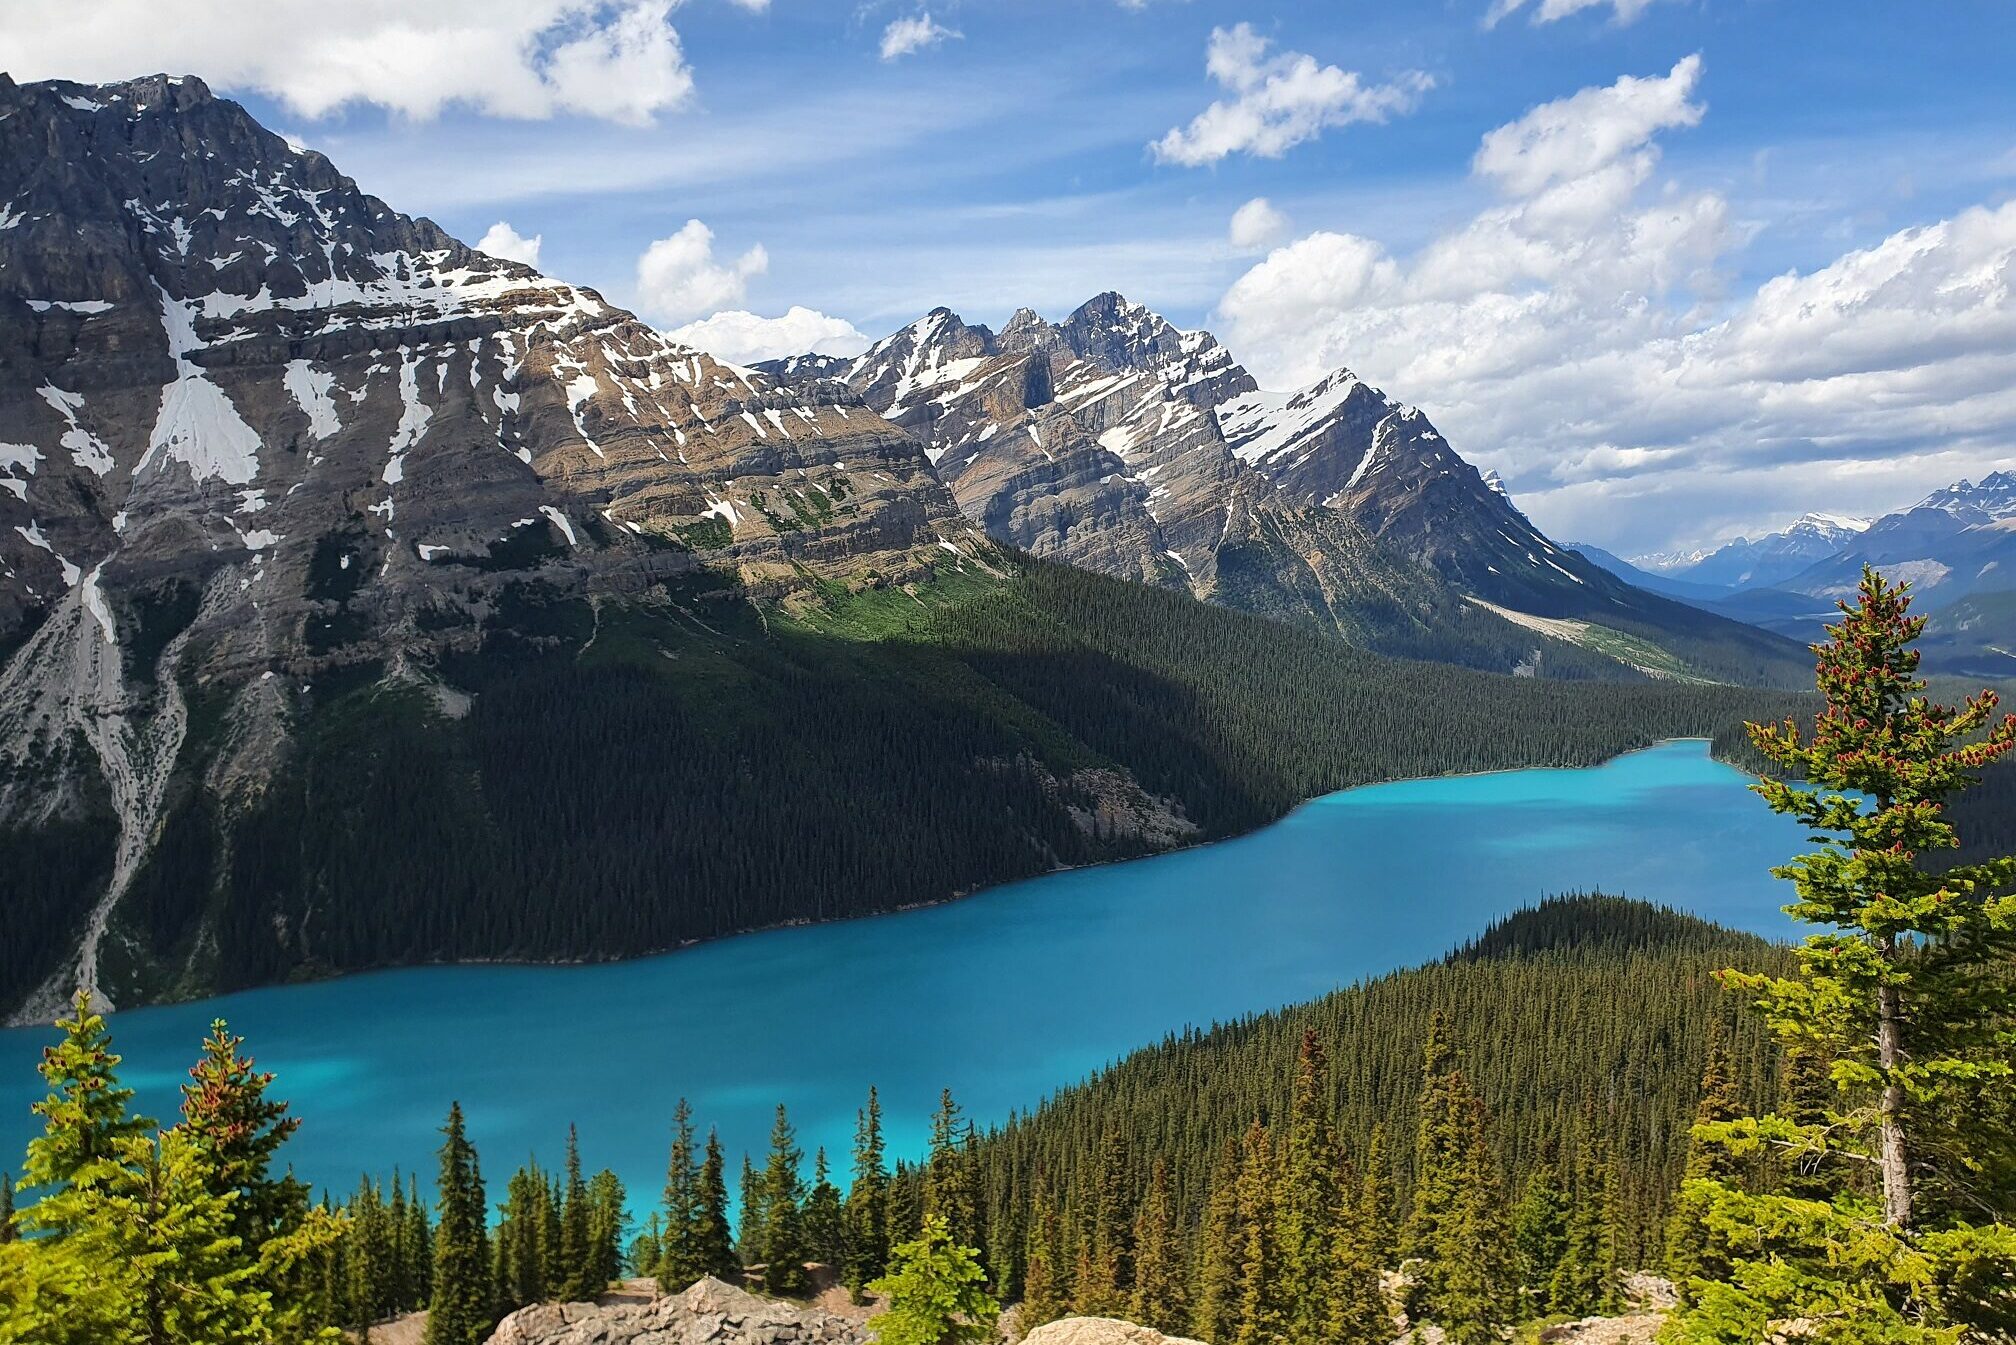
[{"x": 1957, "y": 547}]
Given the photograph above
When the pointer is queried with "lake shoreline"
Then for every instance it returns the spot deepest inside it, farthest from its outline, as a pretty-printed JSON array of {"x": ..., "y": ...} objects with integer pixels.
[{"x": 645, "y": 955}]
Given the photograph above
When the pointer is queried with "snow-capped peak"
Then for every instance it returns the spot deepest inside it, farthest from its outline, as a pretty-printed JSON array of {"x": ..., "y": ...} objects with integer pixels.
[{"x": 1993, "y": 495}]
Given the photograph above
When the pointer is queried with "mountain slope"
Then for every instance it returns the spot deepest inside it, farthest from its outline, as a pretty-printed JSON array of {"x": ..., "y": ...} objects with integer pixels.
[
  {"x": 1770, "y": 560},
  {"x": 1116, "y": 442},
  {"x": 365, "y": 599}
]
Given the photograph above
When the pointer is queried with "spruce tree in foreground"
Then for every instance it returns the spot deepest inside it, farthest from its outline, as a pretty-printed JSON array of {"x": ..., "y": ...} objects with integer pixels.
[
  {"x": 782, "y": 1235},
  {"x": 1457, "y": 1224},
  {"x": 867, "y": 1203},
  {"x": 458, "y": 1311},
  {"x": 1907, "y": 990},
  {"x": 1158, "y": 1300},
  {"x": 681, "y": 1260},
  {"x": 715, "y": 1242},
  {"x": 937, "y": 1293},
  {"x": 825, "y": 1230}
]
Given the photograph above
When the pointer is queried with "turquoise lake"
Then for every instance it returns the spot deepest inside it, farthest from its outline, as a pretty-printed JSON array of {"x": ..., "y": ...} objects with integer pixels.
[{"x": 1002, "y": 997}]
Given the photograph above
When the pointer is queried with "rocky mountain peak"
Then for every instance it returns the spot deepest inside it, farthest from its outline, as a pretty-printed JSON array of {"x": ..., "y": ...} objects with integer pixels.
[{"x": 1992, "y": 497}]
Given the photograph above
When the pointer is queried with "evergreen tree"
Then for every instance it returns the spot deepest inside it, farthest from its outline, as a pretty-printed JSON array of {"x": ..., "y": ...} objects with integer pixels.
[
  {"x": 867, "y": 1203},
  {"x": 1261, "y": 1315},
  {"x": 576, "y": 1263},
  {"x": 715, "y": 1243},
  {"x": 83, "y": 1119},
  {"x": 1585, "y": 1281},
  {"x": 1309, "y": 1204},
  {"x": 949, "y": 1187},
  {"x": 1540, "y": 1234},
  {"x": 238, "y": 1129},
  {"x": 606, "y": 1225},
  {"x": 1220, "y": 1283},
  {"x": 1158, "y": 1299},
  {"x": 7, "y": 1230},
  {"x": 783, "y": 1229},
  {"x": 937, "y": 1293},
  {"x": 749, "y": 1219},
  {"x": 647, "y": 1249},
  {"x": 682, "y": 1259},
  {"x": 1376, "y": 1202},
  {"x": 1045, "y": 1293},
  {"x": 906, "y": 1204},
  {"x": 1906, "y": 990},
  {"x": 1102, "y": 1290},
  {"x": 1456, "y": 1226},
  {"x": 825, "y": 1226},
  {"x": 523, "y": 1275},
  {"x": 1691, "y": 1250},
  {"x": 458, "y": 1310},
  {"x": 419, "y": 1245}
]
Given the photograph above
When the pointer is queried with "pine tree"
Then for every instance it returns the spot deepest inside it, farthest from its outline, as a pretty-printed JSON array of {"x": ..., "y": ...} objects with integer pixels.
[
  {"x": 84, "y": 1118},
  {"x": 419, "y": 1243},
  {"x": 1220, "y": 1283},
  {"x": 647, "y": 1249},
  {"x": 1045, "y": 1294},
  {"x": 1261, "y": 1315},
  {"x": 606, "y": 1224},
  {"x": 749, "y": 1217},
  {"x": 868, "y": 1203},
  {"x": 783, "y": 1229},
  {"x": 1906, "y": 991},
  {"x": 682, "y": 1259},
  {"x": 949, "y": 1187},
  {"x": 1692, "y": 1251},
  {"x": 1585, "y": 1281},
  {"x": 1102, "y": 1291},
  {"x": 576, "y": 1264},
  {"x": 715, "y": 1243},
  {"x": 906, "y": 1204},
  {"x": 7, "y": 1229},
  {"x": 1456, "y": 1226},
  {"x": 1308, "y": 1205},
  {"x": 1376, "y": 1202},
  {"x": 825, "y": 1228},
  {"x": 937, "y": 1292},
  {"x": 1158, "y": 1300},
  {"x": 1540, "y": 1233},
  {"x": 458, "y": 1311},
  {"x": 523, "y": 1276}
]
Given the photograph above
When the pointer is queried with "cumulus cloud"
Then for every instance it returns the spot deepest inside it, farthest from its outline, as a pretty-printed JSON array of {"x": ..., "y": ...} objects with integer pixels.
[
  {"x": 1623, "y": 11},
  {"x": 742, "y": 337},
  {"x": 1257, "y": 224},
  {"x": 678, "y": 278},
  {"x": 504, "y": 241},
  {"x": 509, "y": 58},
  {"x": 904, "y": 36},
  {"x": 1577, "y": 335},
  {"x": 1278, "y": 101}
]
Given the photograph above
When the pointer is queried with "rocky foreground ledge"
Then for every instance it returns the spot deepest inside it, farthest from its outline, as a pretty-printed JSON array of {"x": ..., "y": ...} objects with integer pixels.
[{"x": 715, "y": 1313}]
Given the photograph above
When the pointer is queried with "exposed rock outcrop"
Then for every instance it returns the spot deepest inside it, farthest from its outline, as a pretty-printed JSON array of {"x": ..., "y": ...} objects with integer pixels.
[
  {"x": 709, "y": 1313},
  {"x": 1100, "y": 1331}
]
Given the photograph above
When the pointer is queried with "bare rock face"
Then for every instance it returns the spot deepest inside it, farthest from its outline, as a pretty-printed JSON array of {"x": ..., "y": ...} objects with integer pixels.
[
  {"x": 1099, "y": 1331},
  {"x": 709, "y": 1313}
]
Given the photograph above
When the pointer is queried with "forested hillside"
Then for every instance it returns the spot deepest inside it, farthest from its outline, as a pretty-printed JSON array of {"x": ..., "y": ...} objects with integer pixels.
[
  {"x": 1572, "y": 1090},
  {"x": 613, "y": 776}
]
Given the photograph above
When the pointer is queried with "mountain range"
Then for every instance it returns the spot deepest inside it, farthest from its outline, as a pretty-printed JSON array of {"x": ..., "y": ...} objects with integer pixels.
[
  {"x": 1957, "y": 548},
  {"x": 367, "y": 598}
]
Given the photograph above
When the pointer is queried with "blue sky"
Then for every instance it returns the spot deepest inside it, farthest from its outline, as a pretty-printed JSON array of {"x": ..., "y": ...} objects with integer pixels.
[{"x": 1602, "y": 328}]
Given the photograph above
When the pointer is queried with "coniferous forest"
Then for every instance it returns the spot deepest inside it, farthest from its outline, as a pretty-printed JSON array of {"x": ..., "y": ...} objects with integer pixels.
[{"x": 1813, "y": 1142}]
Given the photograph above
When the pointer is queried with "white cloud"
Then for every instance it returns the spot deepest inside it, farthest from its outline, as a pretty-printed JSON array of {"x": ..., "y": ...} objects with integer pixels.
[
  {"x": 745, "y": 338},
  {"x": 1622, "y": 11},
  {"x": 1278, "y": 101},
  {"x": 508, "y": 58},
  {"x": 504, "y": 241},
  {"x": 1257, "y": 224},
  {"x": 904, "y": 36},
  {"x": 1573, "y": 137},
  {"x": 678, "y": 278},
  {"x": 1575, "y": 336}
]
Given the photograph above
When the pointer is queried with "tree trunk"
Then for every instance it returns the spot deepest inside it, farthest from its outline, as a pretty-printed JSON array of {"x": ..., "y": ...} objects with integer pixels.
[{"x": 1890, "y": 1153}]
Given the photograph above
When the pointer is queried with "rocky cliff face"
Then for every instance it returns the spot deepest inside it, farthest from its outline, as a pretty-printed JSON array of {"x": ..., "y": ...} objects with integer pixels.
[
  {"x": 1114, "y": 441},
  {"x": 256, "y": 426}
]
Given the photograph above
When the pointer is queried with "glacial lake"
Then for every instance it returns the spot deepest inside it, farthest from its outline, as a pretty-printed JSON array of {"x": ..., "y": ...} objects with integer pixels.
[{"x": 1002, "y": 997}]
